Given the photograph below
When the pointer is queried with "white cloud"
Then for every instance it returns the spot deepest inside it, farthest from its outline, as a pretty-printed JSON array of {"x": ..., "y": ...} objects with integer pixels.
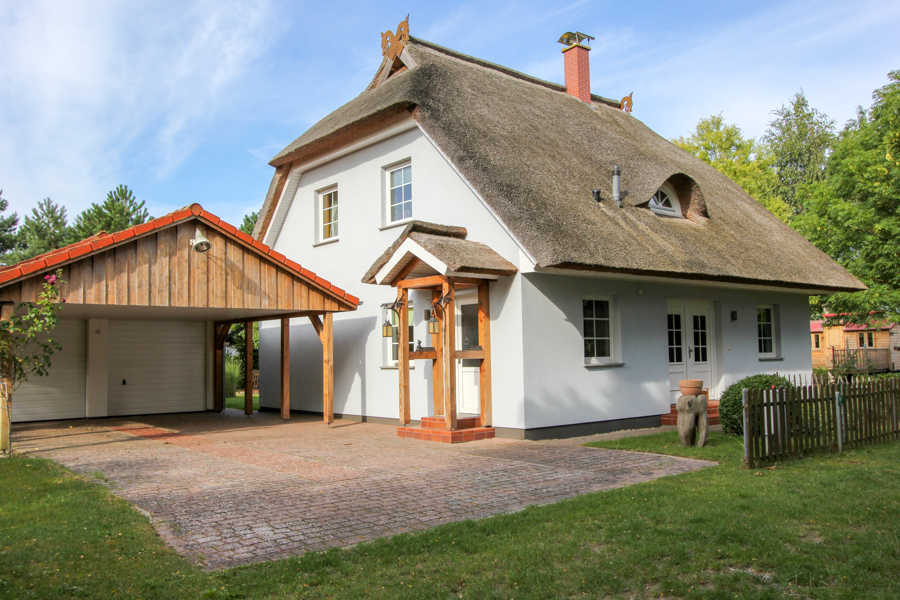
[{"x": 87, "y": 84}]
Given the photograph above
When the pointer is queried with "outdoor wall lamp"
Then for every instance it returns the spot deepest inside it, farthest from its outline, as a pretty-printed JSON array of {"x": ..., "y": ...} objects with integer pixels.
[
  {"x": 434, "y": 326},
  {"x": 200, "y": 243},
  {"x": 387, "y": 330}
]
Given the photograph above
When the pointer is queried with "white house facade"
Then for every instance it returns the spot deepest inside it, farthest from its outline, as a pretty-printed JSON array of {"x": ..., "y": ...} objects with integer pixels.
[{"x": 635, "y": 264}]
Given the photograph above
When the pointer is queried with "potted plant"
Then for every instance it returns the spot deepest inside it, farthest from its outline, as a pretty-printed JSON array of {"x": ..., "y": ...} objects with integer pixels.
[{"x": 690, "y": 387}]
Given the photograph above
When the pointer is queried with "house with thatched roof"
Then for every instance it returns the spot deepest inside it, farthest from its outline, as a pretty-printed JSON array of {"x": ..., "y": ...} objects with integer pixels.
[{"x": 535, "y": 261}]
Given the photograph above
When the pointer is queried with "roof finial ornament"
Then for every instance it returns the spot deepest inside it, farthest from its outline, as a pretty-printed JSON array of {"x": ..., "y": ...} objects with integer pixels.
[
  {"x": 627, "y": 103},
  {"x": 392, "y": 44}
]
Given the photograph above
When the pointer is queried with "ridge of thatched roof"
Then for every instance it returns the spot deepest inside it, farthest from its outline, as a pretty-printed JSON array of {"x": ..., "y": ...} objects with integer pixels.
[{"x": 533, "y": 153}]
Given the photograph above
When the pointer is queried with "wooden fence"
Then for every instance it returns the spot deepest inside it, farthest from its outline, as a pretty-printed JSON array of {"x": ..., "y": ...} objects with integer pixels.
[
  {"x": 866, "y": 360},
  {"x": 795, "y": 422}
]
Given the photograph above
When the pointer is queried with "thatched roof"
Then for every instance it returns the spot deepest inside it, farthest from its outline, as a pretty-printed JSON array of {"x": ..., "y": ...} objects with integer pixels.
[
  {"x": 534, "y": 154},
  {"x": 449, "y": 245}
]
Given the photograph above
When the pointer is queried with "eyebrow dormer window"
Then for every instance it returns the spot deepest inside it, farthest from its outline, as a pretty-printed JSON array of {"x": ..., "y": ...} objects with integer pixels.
[{"x": 665, "y": 203}]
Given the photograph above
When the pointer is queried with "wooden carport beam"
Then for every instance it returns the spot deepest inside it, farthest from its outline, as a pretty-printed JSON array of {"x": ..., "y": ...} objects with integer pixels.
[
  {"x": 285, "y": 368},
  {"x": 325, "y": 328},
  {"x": 248, "y": 370}
]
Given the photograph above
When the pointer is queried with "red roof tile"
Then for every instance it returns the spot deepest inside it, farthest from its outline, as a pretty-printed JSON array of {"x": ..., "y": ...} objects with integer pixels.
[{"x": 815, "y": 326}]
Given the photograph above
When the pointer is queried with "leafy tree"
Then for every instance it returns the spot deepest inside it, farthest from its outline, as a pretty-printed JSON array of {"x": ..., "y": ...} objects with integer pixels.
[
  {"x": 8, "y": 225},
  {"x": 745, "y": 161},
  {"x": 45, "y": 229},
  {"x": 25, "y": 348},
  {"x": 238, "y": 348},
  {"x": 249, "y": 223},
  {"x": 119, "y": 211},
  {"x": 853, "y": 214},
  {"x": 800, "y": 139}
]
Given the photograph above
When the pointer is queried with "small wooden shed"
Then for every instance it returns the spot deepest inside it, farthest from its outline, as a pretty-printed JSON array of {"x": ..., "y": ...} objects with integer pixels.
[{"x": 147, "y": 311}]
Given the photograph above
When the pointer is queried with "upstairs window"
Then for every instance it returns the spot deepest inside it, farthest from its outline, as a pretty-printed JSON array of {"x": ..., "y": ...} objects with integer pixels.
[
  {"x": 400, "y": 193},
  {"x": 329, "y": 214},
  {"x": 665, "y": 203}
]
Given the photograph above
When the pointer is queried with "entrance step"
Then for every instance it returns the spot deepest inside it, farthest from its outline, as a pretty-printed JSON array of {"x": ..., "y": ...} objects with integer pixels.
[
  {"x": 440, "y": 423},
  {"x": 433, "y": 434},
  {"x": 712, "y": 411}
]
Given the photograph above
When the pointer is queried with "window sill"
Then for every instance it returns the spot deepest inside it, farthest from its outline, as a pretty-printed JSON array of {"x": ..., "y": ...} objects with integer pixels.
[
  {"x": 599, "y": 365},
  {"x": 770, "y": 358},
  {"x": 395, "y": 367},
  {"x": 328, "y": 241},
  {"x": 400, "y": 223}
]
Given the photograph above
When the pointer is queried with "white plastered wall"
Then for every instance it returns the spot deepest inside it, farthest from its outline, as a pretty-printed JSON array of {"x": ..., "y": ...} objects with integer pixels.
[
  {"x": 363, "y": 386},
  {"x": 560, "y": 390}
]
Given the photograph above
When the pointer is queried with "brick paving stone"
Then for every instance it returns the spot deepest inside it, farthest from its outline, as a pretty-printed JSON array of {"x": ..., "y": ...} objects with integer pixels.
[{"x": 226, "y": 490}]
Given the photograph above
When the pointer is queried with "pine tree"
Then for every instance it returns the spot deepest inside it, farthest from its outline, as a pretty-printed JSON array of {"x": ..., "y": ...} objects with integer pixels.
[
  {"x": 249, "y": 223},
  {"x": 119, "y": 211},
  {"x": 45, "y": 229},
  {"x": 8, "y": 234}
]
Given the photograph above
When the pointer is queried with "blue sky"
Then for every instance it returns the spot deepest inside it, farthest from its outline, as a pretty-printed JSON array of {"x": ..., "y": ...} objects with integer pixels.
[{"x": 186, "y": 101}]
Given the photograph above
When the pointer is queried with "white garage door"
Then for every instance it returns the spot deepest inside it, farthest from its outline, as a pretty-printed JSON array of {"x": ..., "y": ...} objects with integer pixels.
[
  {"x": 59, "y": 395},
  {"x": 156, "y": 367}
]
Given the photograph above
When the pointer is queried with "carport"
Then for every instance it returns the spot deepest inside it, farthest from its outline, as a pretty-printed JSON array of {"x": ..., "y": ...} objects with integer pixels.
[{"x": 147, "y": 311}]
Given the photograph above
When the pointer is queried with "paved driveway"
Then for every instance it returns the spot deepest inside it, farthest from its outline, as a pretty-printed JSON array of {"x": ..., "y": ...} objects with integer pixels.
[{"x": 225, "y": 489}]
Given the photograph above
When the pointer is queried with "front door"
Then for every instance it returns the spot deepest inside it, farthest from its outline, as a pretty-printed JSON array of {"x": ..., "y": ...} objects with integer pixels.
[
  {"x": 468, "y": 396},
  {"x": 690, "y": 340}
]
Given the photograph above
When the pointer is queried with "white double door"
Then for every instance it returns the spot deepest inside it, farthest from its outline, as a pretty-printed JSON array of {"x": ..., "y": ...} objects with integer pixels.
[
  {"x": 468, "y": 376},
  {"x": 690, "y": 344}
]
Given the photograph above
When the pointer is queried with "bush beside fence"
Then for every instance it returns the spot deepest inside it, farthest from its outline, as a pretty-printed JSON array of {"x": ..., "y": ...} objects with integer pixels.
[{"x": 794, "y": 422}]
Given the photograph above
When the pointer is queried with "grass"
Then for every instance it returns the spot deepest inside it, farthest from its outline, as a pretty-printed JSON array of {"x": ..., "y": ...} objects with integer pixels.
[
  {"x": 823, "y": 527},
  {"x": 238, "y": 402}
]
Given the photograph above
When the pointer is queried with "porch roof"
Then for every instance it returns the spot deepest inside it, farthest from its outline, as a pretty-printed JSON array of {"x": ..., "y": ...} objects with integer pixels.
[{"x": 424, "y": 249}]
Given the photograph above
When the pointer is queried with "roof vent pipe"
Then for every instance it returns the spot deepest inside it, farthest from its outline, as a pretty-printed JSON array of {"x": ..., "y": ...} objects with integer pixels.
[
  {"x": 596, "y": 194},
  {"x": 617, "y": 174}
]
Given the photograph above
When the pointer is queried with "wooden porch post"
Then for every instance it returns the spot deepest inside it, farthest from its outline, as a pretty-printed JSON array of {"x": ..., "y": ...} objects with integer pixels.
[
  {"x": 484, "y": 334},
  {"x": 248, "y": 371},
  {"x": 328, "y": 367},
  {"x": 403, "y": 353},
  {"x": 285, "y": 368},
  {"x": 437, "y": 365},
  {"x": 449, "y": 350}
]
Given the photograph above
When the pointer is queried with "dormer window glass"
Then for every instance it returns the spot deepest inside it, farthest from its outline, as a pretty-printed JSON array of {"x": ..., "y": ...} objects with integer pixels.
[
  {"x": 665, "y": 203},
  {"x": 400, "y": 193}
]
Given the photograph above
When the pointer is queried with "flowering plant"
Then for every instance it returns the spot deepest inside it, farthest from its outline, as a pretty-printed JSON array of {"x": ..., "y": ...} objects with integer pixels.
[{"x": 25, "y": 347}]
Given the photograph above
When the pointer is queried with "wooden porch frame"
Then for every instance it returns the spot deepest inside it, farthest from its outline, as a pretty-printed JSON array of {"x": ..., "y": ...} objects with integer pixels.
[{"x": 445, "y": 354}]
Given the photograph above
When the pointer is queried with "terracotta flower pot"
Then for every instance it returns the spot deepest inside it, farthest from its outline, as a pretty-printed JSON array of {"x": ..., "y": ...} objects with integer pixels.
[{"x": 690, "y": 387}]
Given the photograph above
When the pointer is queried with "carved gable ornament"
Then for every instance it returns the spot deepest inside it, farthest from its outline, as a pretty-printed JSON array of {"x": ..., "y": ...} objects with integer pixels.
[{"x": 392, "y": 44}]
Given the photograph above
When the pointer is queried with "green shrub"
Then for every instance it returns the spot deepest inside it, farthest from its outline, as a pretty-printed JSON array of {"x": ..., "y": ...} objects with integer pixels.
[
  {"x": 731, "y": 403},
  {"x": 233, "y": 376}
]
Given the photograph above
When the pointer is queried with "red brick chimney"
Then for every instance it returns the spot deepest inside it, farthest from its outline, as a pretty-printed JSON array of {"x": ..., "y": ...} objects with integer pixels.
[{"x": 578, "y": 70}]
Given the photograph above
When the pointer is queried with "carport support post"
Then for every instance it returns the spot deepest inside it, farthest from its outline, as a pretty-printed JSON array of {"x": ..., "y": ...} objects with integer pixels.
[
  {"x": 221, "y": 331},
  {"x": 328, "y": 367},
  {"x": 484, "y": 334},
  {"x": 285, "y": 368},
  {"x": 248, "y": 364}
]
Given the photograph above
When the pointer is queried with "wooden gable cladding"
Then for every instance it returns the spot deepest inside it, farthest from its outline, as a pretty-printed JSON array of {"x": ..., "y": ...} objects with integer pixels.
[{"x": 160, "y": 268}]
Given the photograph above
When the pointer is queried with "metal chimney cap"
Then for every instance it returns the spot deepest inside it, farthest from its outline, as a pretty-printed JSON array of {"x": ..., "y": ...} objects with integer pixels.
[{"x": 570, "y": 38}]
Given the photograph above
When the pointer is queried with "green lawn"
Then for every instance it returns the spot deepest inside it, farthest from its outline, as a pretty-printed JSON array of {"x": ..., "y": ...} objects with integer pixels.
[
  {"x": 238, "y": 402},
  {"x": 823, "y": 527}
]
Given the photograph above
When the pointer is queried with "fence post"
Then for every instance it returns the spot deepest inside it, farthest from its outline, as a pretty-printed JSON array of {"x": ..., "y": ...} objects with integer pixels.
[
  {"x": 746, "y": 427},
  {"x": 839, "y": 419}
]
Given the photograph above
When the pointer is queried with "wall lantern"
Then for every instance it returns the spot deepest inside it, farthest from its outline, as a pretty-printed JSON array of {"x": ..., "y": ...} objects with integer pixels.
[
  {"x": 200, "y": 243},
  {"x": 387, "y": 330},
  {"x": 434, "y": 327}
]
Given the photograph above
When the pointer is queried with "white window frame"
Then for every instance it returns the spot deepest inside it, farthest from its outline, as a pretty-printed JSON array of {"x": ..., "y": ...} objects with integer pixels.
[
  {"x": 775, "y": 328},
  {"x": 614, "y": 357},
  {"x": 386, "y": 204},
  {"x": 817, "y": 341},
  {"x": 319, "y": 219},
  {"x": 388, "y": 360},
  {"x": 663, "y": 211}
]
